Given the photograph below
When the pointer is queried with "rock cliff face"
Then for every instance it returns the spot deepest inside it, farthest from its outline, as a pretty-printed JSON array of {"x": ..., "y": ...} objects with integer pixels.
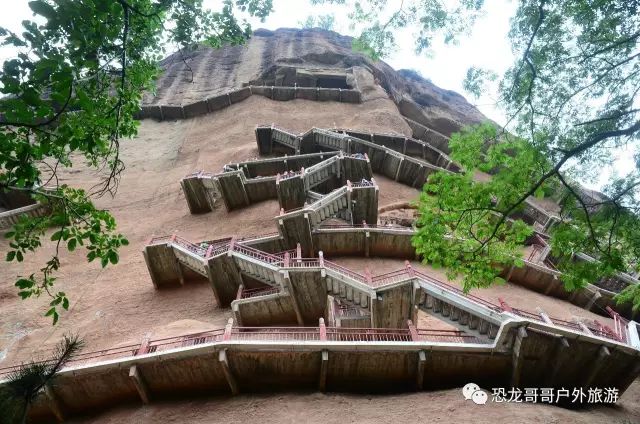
[{"x": 310, "y": 57}]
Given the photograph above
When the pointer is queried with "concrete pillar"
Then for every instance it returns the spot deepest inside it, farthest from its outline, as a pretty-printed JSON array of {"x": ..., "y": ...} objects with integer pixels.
[
  {"x": 54, "y": 403},
  {"x": 324, "y": 368},
  {"x": 294, "y": 298},
  {"x": 592, "y": 301},
  {"x": 235, "y": 310},
  {"x": 141, "y": 385},
  {"x": 231, "y": 380},
  {"x": 366, "y": 244},
  {"x": 422, "y": 362},
  {"x": 398, "y": 170},
  {"x": 551, "y": 286},
  {"x": 601, "y": 357},
  {"x": 151, "y": 273},
  {"x": 517, "y": 357},
  {"x": 555, "y": 359}
]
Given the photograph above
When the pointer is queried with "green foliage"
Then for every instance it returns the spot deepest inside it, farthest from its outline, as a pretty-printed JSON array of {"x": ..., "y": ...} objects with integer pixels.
[
  {"x": 70, "y": 95},
  {"x": 459, "y": 215},
  {"x": 476, "y": 79},
  {"x": 26, "y": 384},
  {"x": 470, "y": 225},
  {"x": 432, "y": 19},
  {"x": 326, "y": 22}
]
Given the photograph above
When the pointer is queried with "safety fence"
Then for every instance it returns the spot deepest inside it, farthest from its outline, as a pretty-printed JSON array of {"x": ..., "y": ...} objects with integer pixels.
[{"x": 407, "y": 273}]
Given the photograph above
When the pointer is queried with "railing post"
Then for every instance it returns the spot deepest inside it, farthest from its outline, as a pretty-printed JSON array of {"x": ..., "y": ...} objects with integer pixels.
[
  {"x": 321, "y": 258},
  {"x": 504, "y": 305},
  {"x": 209, "y": 250},
  {"x": 173, "y": 237},
  {"x": 287, "y": 259},
  {"x": 364, "y": 224},
  {"x": 227, "y": 330},
  {"x": 144, "y": 346},
  {"x": 349, "y": 188},
  {"x": 239, "y": 294},
  {"x": 323, "y": 330},
  {"x": 413, "y": 331},
  {"x": 298, "y": 251},
  {"x": 368, "y": 277},
  {"x": 409, "y": 269},
  {"x": 302, "y": 171},
  {"x": 232, "y": 244}
]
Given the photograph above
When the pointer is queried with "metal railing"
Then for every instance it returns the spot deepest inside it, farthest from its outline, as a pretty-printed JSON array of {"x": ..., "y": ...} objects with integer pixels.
[
  {"x": 391, "y": 277},
  {"x": 261, "y": 291},
  {"x": 339, "y": 334},
  {"x": 304, "y": 263},
  {"x": 457, "y": 290},
  {"x": 275, "y": 334},
  {"x": 345, "y": 271},
  {"x": 257, "y": 254},
  {"x": 167, "y": 343},
  {"x": 447, "y": 336}
]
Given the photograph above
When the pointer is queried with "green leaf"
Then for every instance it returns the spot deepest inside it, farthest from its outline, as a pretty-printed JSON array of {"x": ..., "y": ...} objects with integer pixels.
[
  {"x": 19, "y": 256},
  {"x": 39, "y": 7},
  {"x": 24, "y": 283},
  {"x": 65, "y": 303},
  {"x": 71, "y": 245},
  {"x": 113, "y": 257},
  {"x": 50, "y": 312},
  {"x": 11, "y": 255}
]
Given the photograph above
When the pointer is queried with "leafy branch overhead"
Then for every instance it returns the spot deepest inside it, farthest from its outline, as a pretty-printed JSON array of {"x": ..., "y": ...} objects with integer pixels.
[
  {"x": 70, "y": 95},
  {"x": 572, "y": 100}
]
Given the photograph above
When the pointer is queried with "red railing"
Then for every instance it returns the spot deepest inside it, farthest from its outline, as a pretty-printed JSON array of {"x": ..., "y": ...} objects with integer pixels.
[
  {"x": 276, "y": 334},
  {"x": 339, "y": 334},
  {"x": 257, "y": 254},
  {"x": 352, "y": 274},
  {"x": 390, "y": 277},
  {"x": 620, "y": 325},
  {"x": 457, "y": 290},
  {"x": 360, "y": 226},
  {"x": 194, "y": 339},
  {"x": 447, "y": 336},
  {"x": 304, "y": 263},
  {"x": 261, "y": 291}
]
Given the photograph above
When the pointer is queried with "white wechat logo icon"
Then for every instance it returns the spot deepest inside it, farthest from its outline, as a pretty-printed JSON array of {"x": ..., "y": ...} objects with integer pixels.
[{"x": 471, "y": 391}]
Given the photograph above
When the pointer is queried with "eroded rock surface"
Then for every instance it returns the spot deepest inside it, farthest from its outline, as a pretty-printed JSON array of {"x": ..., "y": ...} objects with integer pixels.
[{"x": 308, "y": 57}]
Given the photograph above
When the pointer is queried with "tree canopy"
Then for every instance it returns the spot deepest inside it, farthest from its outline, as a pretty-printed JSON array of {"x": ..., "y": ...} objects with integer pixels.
[
  {"x": 70, "y": 96},
  {"x": 572, "y": 103}
]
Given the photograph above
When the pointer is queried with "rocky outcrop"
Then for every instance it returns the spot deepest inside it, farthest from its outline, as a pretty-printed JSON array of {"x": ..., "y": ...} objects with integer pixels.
[{"x": 305, "y": 58}]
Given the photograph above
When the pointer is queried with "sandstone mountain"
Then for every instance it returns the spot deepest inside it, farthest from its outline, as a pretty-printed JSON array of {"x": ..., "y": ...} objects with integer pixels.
[{"x": 271, "y": 57}]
